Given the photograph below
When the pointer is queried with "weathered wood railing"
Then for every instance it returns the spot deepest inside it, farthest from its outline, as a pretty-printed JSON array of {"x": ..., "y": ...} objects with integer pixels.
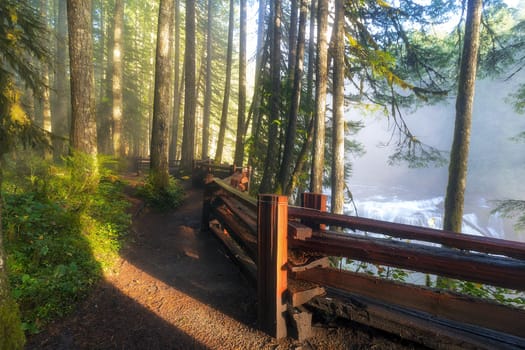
[
  {"x": 281, "y": 249},
  {"x": 142, "y": 165},
  {"x": 201, "y": 169}
]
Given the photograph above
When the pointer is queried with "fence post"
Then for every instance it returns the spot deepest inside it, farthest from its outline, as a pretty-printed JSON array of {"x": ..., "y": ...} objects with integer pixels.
[
  {"x": 314, "y": 201},
  {"x": 272, "y": 257}
]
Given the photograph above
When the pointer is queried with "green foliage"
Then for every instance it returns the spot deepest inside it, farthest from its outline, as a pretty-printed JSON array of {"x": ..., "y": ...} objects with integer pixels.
[
  {"x": 511, "y": 208},
  {"x": 163, "y": 199},
  {"x": 63, "y": 225},
  {"x": 501, "y": 295},
  {"x": 11, "y": 336}
]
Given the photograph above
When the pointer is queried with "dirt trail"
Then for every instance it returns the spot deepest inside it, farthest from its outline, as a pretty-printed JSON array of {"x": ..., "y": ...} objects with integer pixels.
[{"x": 176, "y": 288}]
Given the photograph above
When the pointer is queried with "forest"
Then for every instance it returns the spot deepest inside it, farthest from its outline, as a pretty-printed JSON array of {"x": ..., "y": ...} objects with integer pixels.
[{"x": 89, "y": 86}]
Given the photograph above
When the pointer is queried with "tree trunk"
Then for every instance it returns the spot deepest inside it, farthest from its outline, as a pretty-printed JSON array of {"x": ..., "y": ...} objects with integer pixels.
[
  {"x": 226, "y": 98},
  {"x": 254, "y": 112},
  {"x": 338, "y": 123},
  {"x": 292, "y": 41},
  {"x": 162, "y": 98},
  {"x": 104, "y": 75},
  {"x": 209, "y": 78},
  {"x": 239, "y": 141},
  {"x": 311, "y": 60},
  {"x": 83, "y": 134},
  {"x": 176, "y": 90},
  {"x": 320, "y": 97},
  {"x": 188, "y": 138},
  {"x": 176, "y": 118},
  {"x": 46, "y": 103},
  {"x": 60, "y": 117},
  {"x": 118, "y": 108},
  {"x": 457, "y": 171},
  {"x": 291, "y": 131},
  {"x": 275, "y": 101}
]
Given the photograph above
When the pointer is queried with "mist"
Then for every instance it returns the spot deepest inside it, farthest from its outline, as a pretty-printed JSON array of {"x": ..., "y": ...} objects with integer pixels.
[{"x": 496, "y": 163}]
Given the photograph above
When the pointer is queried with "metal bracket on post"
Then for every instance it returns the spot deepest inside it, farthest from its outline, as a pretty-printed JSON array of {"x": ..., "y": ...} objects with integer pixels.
[{"x": 272, "y": 258}]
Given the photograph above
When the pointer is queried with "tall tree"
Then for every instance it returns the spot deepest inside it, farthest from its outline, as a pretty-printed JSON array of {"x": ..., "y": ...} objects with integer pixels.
[
  {"x": 292, "y": 40},
  {"x": 83, "y": 134},
  {"x": 60, "y": 116},
  {"x": 275, "y": 100},
  {"x": 457, "y": 171},
  {"x": 321, "y": 83},
  {"x": 46, "y": 97},
  {"x": 118, "y": 107},
  {"x": 239, "y": 141},
  {"x": 227, "y": 84},
  {"x": 161, "y": 99},
  {"x": 209, "y": 78},
  {"x": 254, "y": 112},
  {"x": 188, "y": 137},
  {"x": 291, "y": 130},
  {"x": 176, "y": 83},
  {"x": 338, "y": 123}
]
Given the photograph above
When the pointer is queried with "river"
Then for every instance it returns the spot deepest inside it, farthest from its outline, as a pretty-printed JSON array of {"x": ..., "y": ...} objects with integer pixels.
[{"x": 398, "y": 193}]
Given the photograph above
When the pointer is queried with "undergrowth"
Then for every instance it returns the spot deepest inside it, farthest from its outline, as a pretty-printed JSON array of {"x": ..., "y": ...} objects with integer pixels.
[
  {"x": 164, "y": 199},
  {"x": 63, "y": 225}
]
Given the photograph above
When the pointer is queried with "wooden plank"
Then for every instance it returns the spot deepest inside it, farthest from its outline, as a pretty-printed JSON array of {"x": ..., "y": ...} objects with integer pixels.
[
  {"x": 441, "y": 304},
  {"x": 246, "y": 213},
  {"x": 447, "y": 238},
  {"x": 272, "y": 258},
  {"x": 297, "y": 230},
  {"x": 246, "y": 264},
  {"x": 315, "y": 201},
  {"x": 415, "y": 326},
  {"x": 310, "y": 264},
  {"x": 241, "y": 196},
  {"x": 236, "y": 229},
  {"x": 493, "y": 270},
  {"x": 301, "y": 292}
]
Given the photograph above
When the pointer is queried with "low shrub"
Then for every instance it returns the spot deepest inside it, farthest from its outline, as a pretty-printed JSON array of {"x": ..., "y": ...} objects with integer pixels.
[
  {"x": 164, "y": 199},
  {"x": 63, "y": 225}
]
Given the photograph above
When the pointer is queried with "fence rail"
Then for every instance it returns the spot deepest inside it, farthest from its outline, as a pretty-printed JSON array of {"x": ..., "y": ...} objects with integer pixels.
[{"x": 284, "y": 249}]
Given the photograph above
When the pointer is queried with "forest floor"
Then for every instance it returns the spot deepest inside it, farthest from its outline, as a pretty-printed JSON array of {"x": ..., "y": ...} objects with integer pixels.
[{"x": 176, "y": 288}]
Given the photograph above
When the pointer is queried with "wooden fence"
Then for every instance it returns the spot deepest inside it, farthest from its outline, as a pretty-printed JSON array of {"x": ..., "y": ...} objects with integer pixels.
[
  {"x": 284, "y": 250},
  {"x": 201, "y": 169}
]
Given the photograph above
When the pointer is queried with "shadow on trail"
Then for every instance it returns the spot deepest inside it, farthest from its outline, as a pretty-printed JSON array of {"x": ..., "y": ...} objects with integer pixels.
[
  {"x": 108, "y": 319},
  {"x": 171, "y": 248}
]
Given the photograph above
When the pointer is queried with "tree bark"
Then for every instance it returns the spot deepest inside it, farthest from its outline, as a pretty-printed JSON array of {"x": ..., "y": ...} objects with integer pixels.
[
  {"x": 176, "y": 90},
  {"x": 60, "y": 116},
  {"x": 209, "y": 78},
  {"x": 291, "y": 130},
  {"x": 118, "y": 107},
  {"x": 338, "y": 123},
  {"x": 321, "y": 83},
  {"x": 254, "y": 112},
  {"x": 275, "y": 101},
  {"x": 188, "y": 138},
  {"x": 226, "y": 98},
  {"x": 457, "y": 172},
  {"x": 239, "y": 141},
  {"x": 46, "y": 102},
  {"x": 162, "y": 98},
  {"x": 292, "y": 41},
  {"x": 83, "y": 134}
]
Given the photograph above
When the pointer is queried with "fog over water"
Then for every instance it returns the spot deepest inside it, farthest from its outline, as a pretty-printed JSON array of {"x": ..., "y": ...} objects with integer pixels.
[{"x": 415, "y": 196}]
